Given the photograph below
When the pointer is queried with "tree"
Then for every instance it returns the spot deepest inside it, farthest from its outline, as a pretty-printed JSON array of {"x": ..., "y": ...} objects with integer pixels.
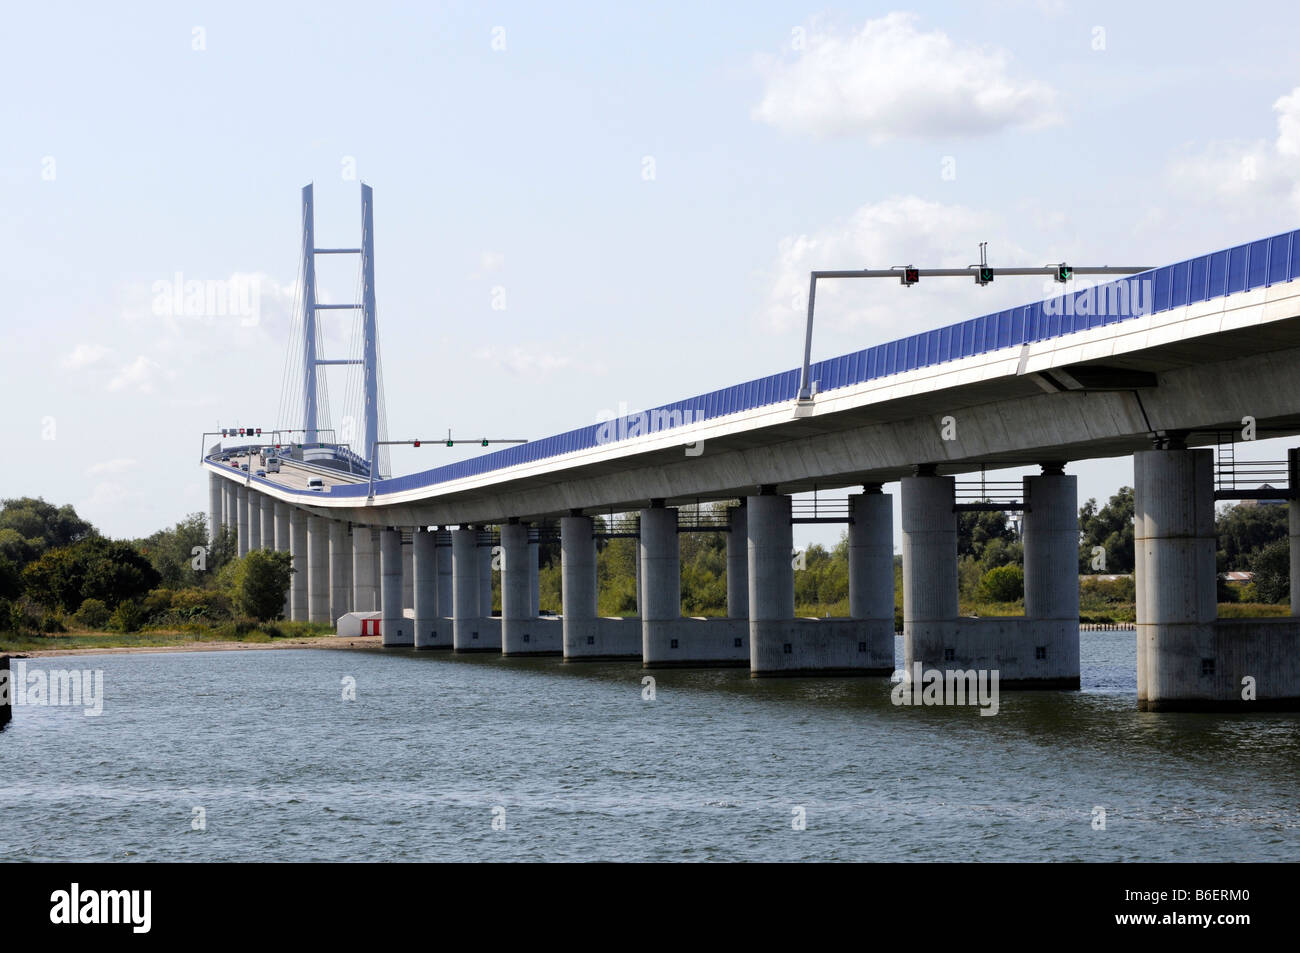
[
  {"x": 1272, "y": 568},
  {"x": 977, "y": 529},
  {"x": 1244, "y": 530},
  {"x": 1111, "y": 528},
  {"x": 1003, "y": 584},
  {"x": 30, "y": 527},
  {"x": 171, "y": 552},
  {"x": 95, "y": 568},
  {"x": 262, "y": 579}
]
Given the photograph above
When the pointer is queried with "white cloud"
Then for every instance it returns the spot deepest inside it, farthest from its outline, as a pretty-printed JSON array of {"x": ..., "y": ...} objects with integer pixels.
[
  {"x": 890, "y": 81},
  {"x": 140, "y": 374},
  {"x": 902, "y": 230},
  {"x": 118, "y": 465},
  {"x": 1248, "y": 176},
  {"x": 84, "y": 356}
]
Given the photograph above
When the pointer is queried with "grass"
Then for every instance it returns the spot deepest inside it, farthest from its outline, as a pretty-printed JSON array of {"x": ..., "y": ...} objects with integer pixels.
[{"x": 161, "y": 638}]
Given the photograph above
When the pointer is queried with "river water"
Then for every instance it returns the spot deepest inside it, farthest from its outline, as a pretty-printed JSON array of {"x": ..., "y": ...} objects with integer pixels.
[{"x": 443, "y": 757}]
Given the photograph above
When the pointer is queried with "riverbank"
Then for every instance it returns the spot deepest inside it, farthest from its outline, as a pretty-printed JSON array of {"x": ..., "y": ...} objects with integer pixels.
[{"x": 112, "y": 643}]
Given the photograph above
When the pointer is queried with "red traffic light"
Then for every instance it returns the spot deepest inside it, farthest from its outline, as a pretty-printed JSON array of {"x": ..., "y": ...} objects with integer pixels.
[
  {"x": 415, "y": 443},
  {"x": 911, "y": 276}
]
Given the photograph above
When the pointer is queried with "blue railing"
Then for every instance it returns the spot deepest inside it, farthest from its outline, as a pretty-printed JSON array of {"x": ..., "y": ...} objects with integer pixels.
[{"x": 1243, "y": 268}]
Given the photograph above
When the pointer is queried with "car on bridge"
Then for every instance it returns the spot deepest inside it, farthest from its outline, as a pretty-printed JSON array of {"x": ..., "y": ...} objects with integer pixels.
[{"x": 316, "y": 483}]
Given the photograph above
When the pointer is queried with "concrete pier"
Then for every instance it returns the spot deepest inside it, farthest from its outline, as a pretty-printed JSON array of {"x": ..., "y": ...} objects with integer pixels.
[
  {"x": 254, "y": 519},
  {"x": 1050, "y": 657},
  {"x": 871, "y": 579},
  {"x": 365, "y": 594},
  {"x": 340, "y": 562},
  {"x": 394, "y": 628},
  {"x": 586, "y": 635},
  {"x": 408, "y": 575},
  {"x": 229, "y": 503},
  {"x": 241, "y": 518},
  {"x": 268, "y": 521},
  {"x": 216, "y": 496},
  {"x": 771, "y": 581},
  {"x": 522, "y": 631},
  {"x": 1034, "y": 651},
  {"x": 431, "y": 632},
  {"x": 470, "y": 632},
  {"x": 442, "y": 542},
  {"x": 298, "y": 608},
  {"x": 318, "y": 569},
  {"x": 283, "y": 544},
  {"x": 485, "y": 572},
  {"x": 667, "y": 639},
  {"x": 780, "y": 644}
]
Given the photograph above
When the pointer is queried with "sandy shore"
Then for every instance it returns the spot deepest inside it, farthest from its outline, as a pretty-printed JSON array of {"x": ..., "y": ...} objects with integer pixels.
[{"x": 317, "y": 642}]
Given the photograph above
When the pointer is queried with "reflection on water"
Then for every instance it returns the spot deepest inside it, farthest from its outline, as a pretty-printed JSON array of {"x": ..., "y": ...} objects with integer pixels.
[{"x": 585, "y": 769}]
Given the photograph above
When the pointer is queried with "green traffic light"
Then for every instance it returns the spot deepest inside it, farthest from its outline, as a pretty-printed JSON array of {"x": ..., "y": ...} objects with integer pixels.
[{"x": 485, "y": 443}]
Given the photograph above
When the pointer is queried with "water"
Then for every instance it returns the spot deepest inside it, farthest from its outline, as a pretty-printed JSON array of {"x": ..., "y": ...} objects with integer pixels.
[{"x": 586, "y": 770}]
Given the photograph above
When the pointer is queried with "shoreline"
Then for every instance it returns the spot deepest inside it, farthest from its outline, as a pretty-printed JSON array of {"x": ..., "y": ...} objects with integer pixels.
[{"x": 313, "y": 642}]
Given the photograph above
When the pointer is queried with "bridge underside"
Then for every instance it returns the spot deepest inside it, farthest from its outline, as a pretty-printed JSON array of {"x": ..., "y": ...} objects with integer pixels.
[{"x": 1107, "y": 408}]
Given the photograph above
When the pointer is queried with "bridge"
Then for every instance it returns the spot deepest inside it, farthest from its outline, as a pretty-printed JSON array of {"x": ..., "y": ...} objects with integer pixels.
[{"x": 1169, "y": 366}]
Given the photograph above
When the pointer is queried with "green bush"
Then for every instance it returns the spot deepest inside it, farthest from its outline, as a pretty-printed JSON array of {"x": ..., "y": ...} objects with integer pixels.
[
  {"x": 127, "y": 617},
  {"x": 93, "y": 614},
  {"x": 1003, "y": 584},
  {"x": 261, "y": 582}
]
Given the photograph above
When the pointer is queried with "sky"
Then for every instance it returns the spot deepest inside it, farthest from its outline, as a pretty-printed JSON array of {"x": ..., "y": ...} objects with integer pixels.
[{"x": 577, "y": 206}]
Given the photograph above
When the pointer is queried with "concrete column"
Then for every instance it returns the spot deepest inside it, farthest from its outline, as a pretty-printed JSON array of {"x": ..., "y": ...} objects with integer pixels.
[
  {"x": 929, "y": 549},
  {"x": 771, "y": 581},
  {"x": 340, "y": 557},
  {"x": 662, "y": 636},
  {"x": 365, "y": 594},
  {"x": 578, "y": 585},
  {"x": 254, "y": 519},
  {"x": 931, "y": 633},
  {"x": 738, "y": 563},
  {"x": 534, "y": 583},
  {"x": 394, "y": 630},
  {"x": 485, "y": 574},
  {"x": 318, "y": 569},
  {"x": 268, "y": 522},
  {"x": 871, "y": 584},
  {"x": 521, "y": 631},
  {"x": 430, "y": 630},
  {"x": 281, "y": 538},
  {"x": 229, "y": 505},
  {"x": 281, "y": 535},
  {"x": 216, "y": 494},
  {"x": 408, "y": 576},
  {"x": 241, "y": 515},
  {"x": 467, "y": 629},
  {"x": 1174, "y": 544},
  {"x": 871, "y": 557},
  {"x": 1051, "y": 530},
  {"x": 445, "y": 590},
  {"x": 298, "y": 610}
]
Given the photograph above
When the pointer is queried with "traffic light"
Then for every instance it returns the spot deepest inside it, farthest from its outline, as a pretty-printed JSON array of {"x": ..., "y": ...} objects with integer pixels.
[
  {"x": 1064, "y": 273},
  {"x": 450, "y": 442},
  {"x": 415, "y": 443},
  {"x": 485, "y": 443},
  {"x": 911, "y": 276},
  {"x": 985, "y": 275}
]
